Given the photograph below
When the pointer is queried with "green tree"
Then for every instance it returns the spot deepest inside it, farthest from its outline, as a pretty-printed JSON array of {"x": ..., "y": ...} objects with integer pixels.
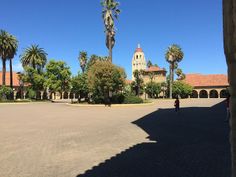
[
  {"x": 164, "y": 86},
  {"x": 156, "y": 65},
  {"x": 58, "y": 76},
  {"x": 34, "y": 57},
  {"x": 153, "y": 89},
  {"x": 109, "y": 13},
  {"x": 182, "y": 89},
  {"x": 149, "y": 64},
  {"x": 93, "y": 60},
  {"x": 105, "y": 78},
  {"x": 138, "y": 81},
  {"x": 34, "y": 80},
  {"x": 5, "y": 92},
  {"x": 79, "y": 85},
  {"x": 173, "y": 55},
  {"x": 8, "y": 48},
  {"x": 83, "y": 60}
]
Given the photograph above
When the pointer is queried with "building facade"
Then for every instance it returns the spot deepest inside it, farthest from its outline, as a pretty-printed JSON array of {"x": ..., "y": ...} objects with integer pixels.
[
  {"x": 138, "y": 60},
  {"x": 208, "y": 86},
  {"x": 152, "y": 73}
]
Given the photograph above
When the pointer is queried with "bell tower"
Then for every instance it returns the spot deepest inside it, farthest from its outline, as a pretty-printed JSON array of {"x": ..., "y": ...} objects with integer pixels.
[{"x": 138, "y": 61}]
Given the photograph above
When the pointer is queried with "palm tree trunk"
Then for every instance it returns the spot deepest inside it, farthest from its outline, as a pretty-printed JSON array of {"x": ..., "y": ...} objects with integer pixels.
[
  {"x": 229, "y": 16},
  {"x": 3, "y": 72},
  {"x": 110, "y": 48},
  {"x": 173, "y": 71},
  {"x": 171, "y": 81},
  {"x": 11, "y": 78}
]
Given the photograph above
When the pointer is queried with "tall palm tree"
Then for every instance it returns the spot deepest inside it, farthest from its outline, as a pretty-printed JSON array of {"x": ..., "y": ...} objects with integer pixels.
[
  {"x": 8, "y": 48},
  {"x": 173, "y": 56},
  {"x": 83, "y": 60},
  {"x": 109, "y": 13},
  {"x": 35, "y": 57}
]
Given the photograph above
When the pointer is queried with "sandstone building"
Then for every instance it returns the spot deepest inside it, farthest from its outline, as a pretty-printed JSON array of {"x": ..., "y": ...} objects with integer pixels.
[
  {"x": 208, "y": 86},
  {"x": 152, "y": 73}
]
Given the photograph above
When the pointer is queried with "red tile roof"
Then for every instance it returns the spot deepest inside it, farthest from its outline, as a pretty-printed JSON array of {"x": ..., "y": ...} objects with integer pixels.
[
  {"x": 139, "y": 50},
  {"x": 128, "y": 81},
  {"x": 15, "y": 79},
  {"x": 199, "y": 80},
  {"x": 154, "y": 68}
]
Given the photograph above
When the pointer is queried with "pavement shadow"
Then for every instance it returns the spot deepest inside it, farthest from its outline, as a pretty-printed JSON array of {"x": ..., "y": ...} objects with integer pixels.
[{"x": 193, "y": 143}]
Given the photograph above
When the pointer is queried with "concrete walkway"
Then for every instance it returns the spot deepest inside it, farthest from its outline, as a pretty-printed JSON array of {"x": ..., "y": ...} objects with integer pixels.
[{"x": 56, "y": 140}]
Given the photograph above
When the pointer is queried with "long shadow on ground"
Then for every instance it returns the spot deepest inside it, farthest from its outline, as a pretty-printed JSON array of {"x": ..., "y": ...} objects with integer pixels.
[{"x": 193, "y": 143}]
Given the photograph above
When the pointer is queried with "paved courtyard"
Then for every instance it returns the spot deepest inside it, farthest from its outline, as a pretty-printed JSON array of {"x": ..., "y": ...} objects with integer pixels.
[{"x": 57, "y": 140}]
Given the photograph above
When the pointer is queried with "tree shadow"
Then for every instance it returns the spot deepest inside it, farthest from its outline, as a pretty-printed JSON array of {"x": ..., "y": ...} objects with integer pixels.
[{"x": 193, "y": 143}]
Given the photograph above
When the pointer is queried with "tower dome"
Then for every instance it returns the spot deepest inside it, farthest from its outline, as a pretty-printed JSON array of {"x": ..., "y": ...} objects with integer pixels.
[{"x": 139, "y": 49}]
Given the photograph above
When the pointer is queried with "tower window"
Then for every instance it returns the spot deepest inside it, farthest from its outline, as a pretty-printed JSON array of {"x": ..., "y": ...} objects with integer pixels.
[{"x": 136, "y": 56}]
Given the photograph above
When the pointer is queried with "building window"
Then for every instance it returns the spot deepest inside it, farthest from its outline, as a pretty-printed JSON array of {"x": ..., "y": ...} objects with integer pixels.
[{"x": 136, "y": 56}]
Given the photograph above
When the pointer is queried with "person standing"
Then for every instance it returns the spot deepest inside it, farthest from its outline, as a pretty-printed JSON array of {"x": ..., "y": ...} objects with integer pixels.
[{"x": 177, "y": 103}]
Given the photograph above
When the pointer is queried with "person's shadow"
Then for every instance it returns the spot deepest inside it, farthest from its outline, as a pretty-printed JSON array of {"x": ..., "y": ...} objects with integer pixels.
[{"x": 193, "y": 143}]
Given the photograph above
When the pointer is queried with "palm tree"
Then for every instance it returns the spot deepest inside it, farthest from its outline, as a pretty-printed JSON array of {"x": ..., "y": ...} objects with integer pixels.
[
  {"x": 83, "y": 60},
  {"x": 173, "y": 56},
  {"x": 8, "y": 48},
  {"x": 109, "y": 13},
  {"x": 180, "y": 74},
  {"x": 35, "y": 57}
]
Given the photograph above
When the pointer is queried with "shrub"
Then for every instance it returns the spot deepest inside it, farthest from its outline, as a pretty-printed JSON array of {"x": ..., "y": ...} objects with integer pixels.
[
  {"x": 31, "y": 94},
  {"x": 118, "y": 98},
  {"x": 5, "y": 92},
  {"x": 132, "y": 100}
]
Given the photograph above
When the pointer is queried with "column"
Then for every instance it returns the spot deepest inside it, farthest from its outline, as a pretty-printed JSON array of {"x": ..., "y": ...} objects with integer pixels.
[
  {"x": 24, "y": 94},
  {"x": 41, "y": 95},
  {"x": 229, "y": 16},
  {"x": 14, "y": 95}
]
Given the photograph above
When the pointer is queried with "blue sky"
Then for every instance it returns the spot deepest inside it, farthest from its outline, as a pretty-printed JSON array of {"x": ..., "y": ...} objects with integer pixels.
[{"x": 65, "y": 27}]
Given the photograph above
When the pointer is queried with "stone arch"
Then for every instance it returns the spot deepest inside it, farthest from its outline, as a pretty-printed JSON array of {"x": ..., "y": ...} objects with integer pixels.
[
  {"x": 203, "y": 94},
  {"x": 65, "y": 95},
  {"x": 18, "y": 94},
  {"x": 214, "y": 94},
  {"x": 223, "y": 93},
  {"x": 27, "y": 95},
  {"x": 71, "y": 95},
  {"x": 194, "y": 94},
  {"x": 38, "y": 95},
  {"x": 45, "y": 95},
  {"x": 77, "y": 95}
]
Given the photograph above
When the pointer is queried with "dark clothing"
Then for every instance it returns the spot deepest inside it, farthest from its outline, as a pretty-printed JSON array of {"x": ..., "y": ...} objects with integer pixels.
[{"x": 177, "y": 105}]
